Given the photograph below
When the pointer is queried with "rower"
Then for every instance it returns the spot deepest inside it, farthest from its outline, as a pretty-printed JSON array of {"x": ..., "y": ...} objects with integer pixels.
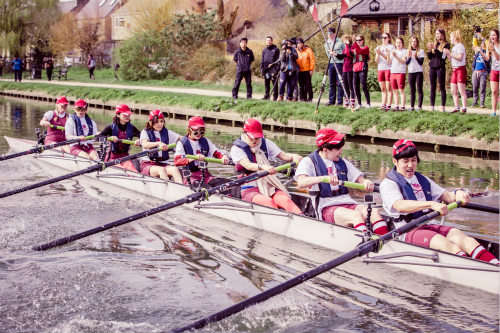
[
  {"x": 79, "y": 125},
  {"x": 407, "y": 194},
  {"x": 157, "y": 135},
  {"x": 51, "y": 119},
  {"x": 251, "y": 153},
  {"x": 195, "y": 143},
  {"x": 121, "y": 128},
  {"x": 333, "y": 203}
]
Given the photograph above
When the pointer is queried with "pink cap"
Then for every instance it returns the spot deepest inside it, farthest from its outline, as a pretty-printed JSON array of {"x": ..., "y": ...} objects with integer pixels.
[
  {"x": 81, "y": 103},
  {"x": 328, "y": 135},
  {"x": 401, "y": 145},
  {"x": 62, "y": 100},
  {"x": 123, "y": 108},
  {"x": 196, "y": 122},
  {"x": 156, "y": 113},
  {"x": 253, "y": 128}
]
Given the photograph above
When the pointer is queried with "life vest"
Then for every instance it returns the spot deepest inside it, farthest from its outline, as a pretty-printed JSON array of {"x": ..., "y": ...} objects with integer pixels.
[
  {"x": 251, "y": 156},
  {"x": 78, "y": 124},
  {"x": 325, "y": 190},
  {"x": 128, "y": 134},
  {"x": 164, "y": 138},
  {"x": 188, "y": 150},
  {"x": 407, "y": 190},
  {"x": 54, "y": 134}
]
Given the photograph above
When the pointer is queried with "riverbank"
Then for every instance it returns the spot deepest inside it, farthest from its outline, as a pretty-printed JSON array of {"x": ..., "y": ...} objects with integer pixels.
[{"x": 469, "y": 131}]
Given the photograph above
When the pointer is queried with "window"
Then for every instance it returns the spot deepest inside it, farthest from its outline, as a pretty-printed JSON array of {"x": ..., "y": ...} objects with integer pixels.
[
  {"x": 403, "y": 26},
  {"x": 121, "y": 22}
]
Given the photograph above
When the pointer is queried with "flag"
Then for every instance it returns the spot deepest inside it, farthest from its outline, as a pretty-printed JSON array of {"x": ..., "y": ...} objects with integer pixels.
[
  {"x": 344, "y": 6},
  {"x": 314, "y": 12}
]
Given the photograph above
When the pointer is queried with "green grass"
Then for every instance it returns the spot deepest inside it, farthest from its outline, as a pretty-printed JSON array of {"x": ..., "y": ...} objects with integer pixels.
[{"x": 478, "y": 126}]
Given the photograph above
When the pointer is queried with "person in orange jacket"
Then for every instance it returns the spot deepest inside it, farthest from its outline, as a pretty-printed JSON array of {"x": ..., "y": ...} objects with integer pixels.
[{"x": 306, "y": 62}]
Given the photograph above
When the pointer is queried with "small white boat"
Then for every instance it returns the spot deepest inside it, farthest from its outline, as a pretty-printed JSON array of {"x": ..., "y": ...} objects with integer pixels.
[{"x": 437, "y": 264}]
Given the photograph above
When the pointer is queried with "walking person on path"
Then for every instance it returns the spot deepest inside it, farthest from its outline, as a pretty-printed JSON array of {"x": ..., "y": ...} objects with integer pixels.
[
  {"x": 289, "y": 70},
  {"x": 17, "y": 66},
  {"x": 91, "y": 66},
  {"x": 1, "y": 65},
  {"x": 49, "y": 68},
  {"x": 347, "y": 74},
  {"x": 437, "y": 64},
  {"x": 459, "y": 71},
  {"x": 399, "y": 56},
  {"x": 382, "y": 58},
  {"x": 269, "y": 68},
  {"x": 415, "y": 72},
  {"x": 243, "y": 59},
  {"x": 480, "y": 69},
  {"x": 306, "y": 62},
  {"x": 360, "y": 69},
  {"x": 493, "y": 55},
  {"x": 335, "y": 50}
]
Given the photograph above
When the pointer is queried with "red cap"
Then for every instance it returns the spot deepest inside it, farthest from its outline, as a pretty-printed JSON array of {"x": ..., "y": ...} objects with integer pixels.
[
  {"x": 328, "y": 135},
  {"x": 123, "y": 108},
  {"x": 62, "y": 100},
  {"x": 81, "y": 103},
  {"x": 156, "y": 113},
  {"x": 401, "y": 145},
  {"x": 196, "y": 122},
  {"x": 254, "y": 128}
]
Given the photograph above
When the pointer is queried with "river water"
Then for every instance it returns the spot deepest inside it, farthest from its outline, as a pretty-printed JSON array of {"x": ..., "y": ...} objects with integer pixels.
[{"x": 167, "y": 270}]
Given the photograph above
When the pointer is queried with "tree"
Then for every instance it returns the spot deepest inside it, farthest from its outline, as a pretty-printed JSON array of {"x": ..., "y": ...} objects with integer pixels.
[
  {"x": 88, "y": 37},
  {"x": 63, "y": 38},
  {"x": 153, "y": 15}
]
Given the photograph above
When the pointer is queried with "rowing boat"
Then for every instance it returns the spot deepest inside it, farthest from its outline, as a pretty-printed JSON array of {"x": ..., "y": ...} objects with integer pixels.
[{"x": 437, "y": 264}]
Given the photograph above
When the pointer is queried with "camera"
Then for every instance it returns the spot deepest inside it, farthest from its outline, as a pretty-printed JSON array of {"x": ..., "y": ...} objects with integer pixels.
[{"x": 477, "y": 29}]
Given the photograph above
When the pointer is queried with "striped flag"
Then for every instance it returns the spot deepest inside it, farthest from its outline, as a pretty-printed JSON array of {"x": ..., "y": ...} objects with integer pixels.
[
  {"x": 314, "y": 12},
  {"x": 344, "y": 6}
]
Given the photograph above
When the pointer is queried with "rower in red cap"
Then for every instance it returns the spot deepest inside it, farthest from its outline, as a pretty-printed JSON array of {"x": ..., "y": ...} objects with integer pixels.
[
  {"x": 121, "y": 128},
  {"x": 51, "y": 119},
  {"x": 79, "y": 125},
  {"x": 407, "y": 194},
  {"x": 251, "y": 153},
  {"x": 195, "y": 143},
  {"x": 333, "y": 202},
  {"x": 157, "y": 135}
]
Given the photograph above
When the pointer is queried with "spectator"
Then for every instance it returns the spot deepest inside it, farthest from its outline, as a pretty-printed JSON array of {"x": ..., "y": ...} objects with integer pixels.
[
  {"x": 292, "y": 42},
  {"x": 335, "y": 50},
  {"x": 115, "y": 72},
  {"x": 399, "y": 56},
  {"x": 306, "y": 64},
  {"x": 360, "y": 69},
  {"x": 17, "y": 66},
  {"x": 1, "y": 65},
  {"x": 49, "y": 68},
  {"x": 493, "y": 55},
  {"x": 269, "y": 68},
  {"x": 459, "y": 73},
  {"x": 437, "y": 64},
  {"x": 480, "y": 69},
  {"x": 289, "y": 69},
  {"x": 415, "y": 72},
  {"x": 382, "y": 57},
  {"x": 91, "y": 66},
  {"x": 347, "y": 74},
  {"x": 243, "y": 59}
]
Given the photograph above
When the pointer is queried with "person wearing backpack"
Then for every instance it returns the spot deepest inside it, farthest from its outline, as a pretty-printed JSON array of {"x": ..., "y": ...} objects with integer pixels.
[{"x": 480, "y": 70}]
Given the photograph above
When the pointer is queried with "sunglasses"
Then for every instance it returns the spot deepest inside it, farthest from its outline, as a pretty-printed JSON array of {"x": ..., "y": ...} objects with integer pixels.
[
  {"x": 199, "y": 131},
  {"x": 359, "y": 40},
  {"x": 384, "y": 37}
]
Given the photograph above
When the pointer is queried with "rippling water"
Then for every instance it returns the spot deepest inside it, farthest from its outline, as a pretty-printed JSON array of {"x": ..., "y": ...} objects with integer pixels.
[{"x": 167, "y": 270}]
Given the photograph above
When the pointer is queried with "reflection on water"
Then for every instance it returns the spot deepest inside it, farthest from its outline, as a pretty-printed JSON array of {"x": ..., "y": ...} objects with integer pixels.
[{"x": 169, "y": 269}]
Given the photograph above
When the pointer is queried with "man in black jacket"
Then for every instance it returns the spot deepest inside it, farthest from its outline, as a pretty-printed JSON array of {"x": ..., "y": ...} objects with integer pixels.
[
  {"x": 269, "y": 67},
  {"x": 243, "y": 59}
]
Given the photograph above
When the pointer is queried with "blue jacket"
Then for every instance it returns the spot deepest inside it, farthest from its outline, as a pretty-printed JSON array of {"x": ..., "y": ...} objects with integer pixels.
[
  {"x": 325, "y": 191},
  {"x": 164, "y": 139}
]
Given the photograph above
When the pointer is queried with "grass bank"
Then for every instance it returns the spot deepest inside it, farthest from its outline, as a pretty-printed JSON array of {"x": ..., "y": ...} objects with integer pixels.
[{"x": 453, "y": 125}]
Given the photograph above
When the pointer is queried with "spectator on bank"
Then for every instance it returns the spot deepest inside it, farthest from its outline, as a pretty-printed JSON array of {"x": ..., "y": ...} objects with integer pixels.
[
  {"x": 437, "y": 66},
  {"x": 493, "y": 55},
  {"x": 306, "y": 62},
  {"x": 17, "y": 67},
  {"x": 399, "y": 56},
  {"x": 415, "y": 72},
  {"x": 243, "y": 59},
  {"x": 459, "y": 71},
  {"x": 347, "y": 74},
  {"x": 269, "y": 67},
  {"x": 382, "y": 58},
  {"x": 1, "y": 65},
  {"x": 116, "y": 68},
  {"x": 292, "y": 42},
  {"x": 91, "y": 66},
  {"x": 289, "y": 70},
  {"x": 360, "y": 69},
  {"x": 335, "y": 51},
  {"x": 480, "y": 69},
  {"x": 49, "y": 68}
]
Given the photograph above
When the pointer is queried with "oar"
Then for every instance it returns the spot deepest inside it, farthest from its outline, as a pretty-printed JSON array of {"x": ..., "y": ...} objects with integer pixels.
[
  {"x": 354, "y": 186},
  {"x": 206, "y": 159},
  {"x": 92, "y": 168},
  {"x": 62, "y": 128},
  {"x": 188, "y": 199},
  {"x": 360, "y": 250},
  {"x": 482, "y": 208},
  {"x": 46, "y": 147}
]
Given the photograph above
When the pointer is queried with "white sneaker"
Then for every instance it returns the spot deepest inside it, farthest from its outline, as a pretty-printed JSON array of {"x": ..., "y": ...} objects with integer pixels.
[{"x": 357, "y": 107}]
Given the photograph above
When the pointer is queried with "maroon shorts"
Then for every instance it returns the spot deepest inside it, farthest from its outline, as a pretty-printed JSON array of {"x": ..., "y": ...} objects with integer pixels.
[
  {"x": 494, "y": 76},
  {"x": 77, "y": 149},
  {"x": 129, "y": 165},
  {"x": 196, "y": 177},
  {"x": 146, "y": 165},
  {"x": 249, "y": 193},
  {"x": 329, "y": 212},
  {"x": 384, "y": 76},
  {"x": 459, "y": 75},
  {"x": 422, "y": 235},
  {"x": 398, "y": 80}
]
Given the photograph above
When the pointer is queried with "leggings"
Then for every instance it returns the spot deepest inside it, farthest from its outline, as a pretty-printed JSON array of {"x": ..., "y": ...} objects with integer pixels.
[
  {"x": 361, "y": 77},
  {"x": 348, "y": 79},
  {"x": 416, "y": 81},
  {"x": 279, "y": 200},
  {"x": 438, "y": 74}
]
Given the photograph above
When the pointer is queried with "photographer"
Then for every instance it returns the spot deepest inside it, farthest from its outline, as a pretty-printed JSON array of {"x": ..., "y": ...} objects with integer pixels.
[
  {"x": 269, "y": 67},
  {"x": 480, "y": 67},
  {"x": 289, "y": 70}
]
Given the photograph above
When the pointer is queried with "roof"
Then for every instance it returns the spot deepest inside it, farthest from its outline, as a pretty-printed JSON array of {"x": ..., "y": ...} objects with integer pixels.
[
  {"x": 401, "y": 7},
  {"x": 98, "y": 8},
  {"x": 66, "y": 6}
]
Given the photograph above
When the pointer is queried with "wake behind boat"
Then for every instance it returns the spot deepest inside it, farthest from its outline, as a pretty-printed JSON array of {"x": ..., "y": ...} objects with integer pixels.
[{"x": 451, "y": 268}]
